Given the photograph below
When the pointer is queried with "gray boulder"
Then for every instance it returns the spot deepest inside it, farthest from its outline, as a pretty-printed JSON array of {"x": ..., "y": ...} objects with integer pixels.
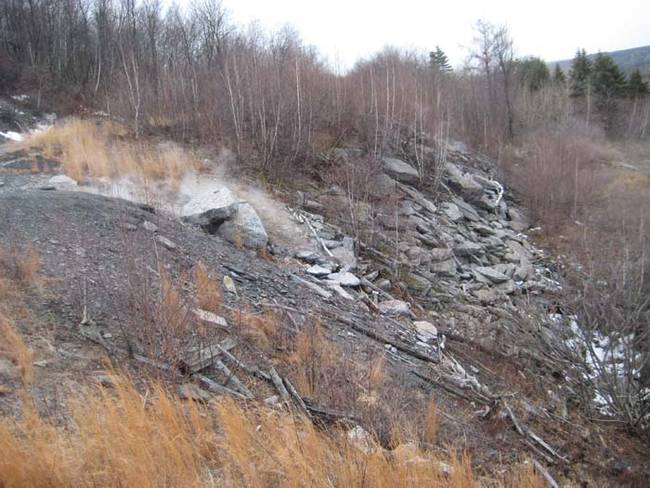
[
  {"x": 463, "y": 183},
  {"x": 210, "y": 208},
  {"x": 245, "y": 228},
  {"x": 401, "y": 171}
]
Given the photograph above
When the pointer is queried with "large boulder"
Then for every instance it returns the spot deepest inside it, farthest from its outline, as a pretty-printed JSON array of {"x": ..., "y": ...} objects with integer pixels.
[
  {"x": 245, "y": 228},
  {"x": 211, "y": 208},
  {"x": 401, "y": 171},
  {"x": 463, "y": 183}
]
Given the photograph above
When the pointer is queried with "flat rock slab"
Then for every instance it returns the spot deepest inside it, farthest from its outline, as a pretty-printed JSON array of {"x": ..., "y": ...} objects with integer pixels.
[
  {"x": 397, "y": 308},
  {"x": 319, "y": 271},
  {"x": 401, "y": 171},
  {"x": 492, "y": 274},
  {"x": 344, "y": 278}
]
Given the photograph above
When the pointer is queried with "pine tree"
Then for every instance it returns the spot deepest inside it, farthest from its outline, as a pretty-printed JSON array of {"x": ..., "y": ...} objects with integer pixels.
[
  {"x": 636, "y": 87},
  {"x": 439, "y": 60},
  {"x": 608, "y": 83},
  {"x": 533, "y": 72},
  {"x": 559, "y": 77},
  {"x": 580, "y": 74}
]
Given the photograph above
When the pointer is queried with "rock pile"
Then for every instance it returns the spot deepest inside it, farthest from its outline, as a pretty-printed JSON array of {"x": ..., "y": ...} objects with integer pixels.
[{"x": 467, "y": 240}]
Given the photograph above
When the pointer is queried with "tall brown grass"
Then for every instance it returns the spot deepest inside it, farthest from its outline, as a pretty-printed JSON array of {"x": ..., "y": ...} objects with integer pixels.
[
  {"x": 20, "y": 264},
  {"x": 13, "y": 347},
  {"x": 208, "y": 289},
  {"x": 103, "y": 149},
  {"x": 118, "y": 437}
]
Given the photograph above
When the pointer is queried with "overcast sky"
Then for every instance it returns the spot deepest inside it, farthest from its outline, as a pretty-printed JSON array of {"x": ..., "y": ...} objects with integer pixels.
[{"x": 346, "y": 30}]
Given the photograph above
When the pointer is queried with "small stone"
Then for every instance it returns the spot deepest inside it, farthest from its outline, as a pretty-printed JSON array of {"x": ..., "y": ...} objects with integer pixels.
[
  {"x": 319, "y": 271},
  {"x": 166, "y": 243},
  {"x": 426, "y": 329},
  {"x": 62, "y": 182},
  {"x": 344, "y": 278},
  {"x": 105, "y": 380},
  {"x": 395, "y": 308},
  {"x": 272, "y": 400},
  {"x": 211, "y": 317},
  {"x": 229, "y": 285},
  {"x": 149, "y": 226}
]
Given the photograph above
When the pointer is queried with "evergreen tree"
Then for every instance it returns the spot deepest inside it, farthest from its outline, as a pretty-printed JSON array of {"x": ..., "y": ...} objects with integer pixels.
[
  {"x": 607, "y": 78},
  {"x": 439, "y": 60},
  {"x": 636, "y": 87},
  {"x": 580, "y": 74},
  {"x": 559, "y": 77},
  {"x": 533, "y": 72},
  {"x": 608, "y": 83}
]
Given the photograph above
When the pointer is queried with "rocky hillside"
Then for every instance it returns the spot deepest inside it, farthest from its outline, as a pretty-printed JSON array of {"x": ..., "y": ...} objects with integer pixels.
[{"x": 438, "y": 278}]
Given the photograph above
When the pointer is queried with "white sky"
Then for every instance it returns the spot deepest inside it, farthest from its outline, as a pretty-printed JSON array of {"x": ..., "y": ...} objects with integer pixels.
[{"x": 346, "y": 30}]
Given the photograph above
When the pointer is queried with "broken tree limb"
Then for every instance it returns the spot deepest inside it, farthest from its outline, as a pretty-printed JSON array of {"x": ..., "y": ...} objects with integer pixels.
[
  {"x": 279, "y": 385},
  {"x": 231, "y": 378},
  {"x": 244, "y": 367},
  {"x": 385, "y": 340},
  {"x": 544, "y": 472},
  {"x": 526, "y": 432},
  {"x": 320, "y": 241},
  {"x": 450, "y": 389},
  {"x": 296, "y": 397},
  {"x": 313, "y": 286},
  {"x": 330, "y": 414},
  {"x": 513, "y": 418},
  {"x": 218, "y": 388}
]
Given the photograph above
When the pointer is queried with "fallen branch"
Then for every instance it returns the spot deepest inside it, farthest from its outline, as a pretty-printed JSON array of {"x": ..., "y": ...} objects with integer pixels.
[
  {"x": 231, "y": 378},
  {"x": 450, "y": 389},
  {"x": 313, "y": 286},
  {"x": 215, "y": 387},
  {"x": 385, "y": 340},
  {"x": 544, "y": 472},
  {"x": 296, "y": 397},
  {"x": 279, "y": 385}
]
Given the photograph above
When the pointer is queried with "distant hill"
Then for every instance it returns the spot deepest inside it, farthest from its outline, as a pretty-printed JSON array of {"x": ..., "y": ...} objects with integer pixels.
[{"x": 627, "y": 59}]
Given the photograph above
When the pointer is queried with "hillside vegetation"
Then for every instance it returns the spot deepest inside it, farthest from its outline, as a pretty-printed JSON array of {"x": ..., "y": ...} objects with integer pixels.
[{"x": 411, "y": 275}]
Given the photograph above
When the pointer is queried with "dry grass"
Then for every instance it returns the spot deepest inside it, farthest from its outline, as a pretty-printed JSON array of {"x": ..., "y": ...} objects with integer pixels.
[
  {"x": 431, "y": 422},
  {"x": 102, "y": 149},
  {"x": 208, "y": 289},
  {"x": 264, "y": 330},
  {"x": 322, "y": 371},
  {"x": 14, "y": 348},
  {"x": 20, "y": 265},
  {"x": 120, "y": 438}
]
